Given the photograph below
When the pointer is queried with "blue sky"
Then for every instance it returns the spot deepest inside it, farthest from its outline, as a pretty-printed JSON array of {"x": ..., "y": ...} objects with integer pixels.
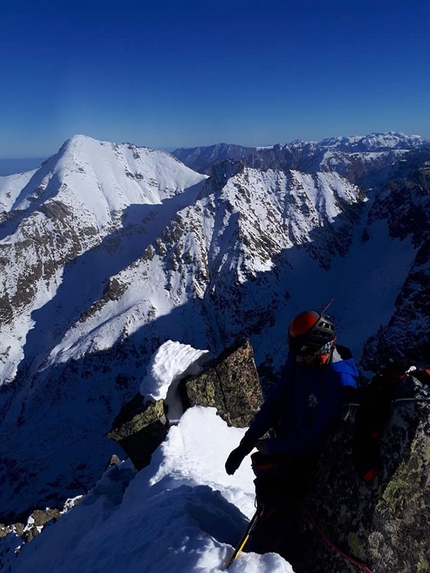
[{"x": 186, "y": 73}]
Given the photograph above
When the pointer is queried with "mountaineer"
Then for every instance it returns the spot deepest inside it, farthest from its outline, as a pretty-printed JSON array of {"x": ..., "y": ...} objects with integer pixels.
[{"x": 291, "y": 427}]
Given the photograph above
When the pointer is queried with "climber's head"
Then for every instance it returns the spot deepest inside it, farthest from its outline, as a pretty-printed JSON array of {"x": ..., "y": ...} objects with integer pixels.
[{"x": 311, "y": 337}]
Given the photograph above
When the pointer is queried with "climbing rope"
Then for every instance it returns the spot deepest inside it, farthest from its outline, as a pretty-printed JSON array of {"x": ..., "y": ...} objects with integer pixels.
[{"x": 332, "y": 545}]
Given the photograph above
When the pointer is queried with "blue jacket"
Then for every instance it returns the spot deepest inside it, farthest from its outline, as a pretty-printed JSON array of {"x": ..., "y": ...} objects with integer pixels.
[{"x": 304, "y": 406}]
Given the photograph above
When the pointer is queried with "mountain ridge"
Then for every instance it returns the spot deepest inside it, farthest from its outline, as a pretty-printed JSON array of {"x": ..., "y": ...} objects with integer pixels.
[
  {"x": 100, "y": 268},
  {"x": 301, "y": 154}
]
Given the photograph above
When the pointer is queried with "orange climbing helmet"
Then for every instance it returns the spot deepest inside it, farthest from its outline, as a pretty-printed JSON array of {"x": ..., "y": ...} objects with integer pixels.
[{"x": 309, "y": 332}]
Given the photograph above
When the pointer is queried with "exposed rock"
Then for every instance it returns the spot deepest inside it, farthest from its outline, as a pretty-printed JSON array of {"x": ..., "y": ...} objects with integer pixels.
[
  {"x": 230, "y": 384},
  {"x": 201, "y": 159},
  {"x": 384, "y": 524},
  {"x": 139, "y": 429},
  {"x": 114, "y": 461},
  {"x": 17, "y": 528},
  {"x": 405, "y": 204},
  {"x": 56, "y": 210},
  {"x": 36, "y": 522}
]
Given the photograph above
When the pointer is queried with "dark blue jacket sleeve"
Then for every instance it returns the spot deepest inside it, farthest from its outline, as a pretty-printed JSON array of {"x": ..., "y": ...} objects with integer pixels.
[{"x": 266, "y": 417}]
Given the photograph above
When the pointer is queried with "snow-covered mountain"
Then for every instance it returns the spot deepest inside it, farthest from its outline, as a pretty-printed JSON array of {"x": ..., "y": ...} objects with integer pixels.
[
  {"x": 202, "y": 158},
  {"x": 53, "y": 215},
  {"x": 359, "y": 158},
  {"x": 375, "y": 142},
  {"x": 108, "y": 250}
]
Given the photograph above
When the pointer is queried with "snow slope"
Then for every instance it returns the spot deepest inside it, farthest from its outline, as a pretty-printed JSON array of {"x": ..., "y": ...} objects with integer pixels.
[{"x": 182, "y": 513}]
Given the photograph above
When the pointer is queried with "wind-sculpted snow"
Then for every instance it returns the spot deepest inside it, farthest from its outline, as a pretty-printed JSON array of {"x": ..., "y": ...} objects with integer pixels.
[
  {"x": 181, "y": 514},
  {"x": 10, "y": 188},
  {"x": 100, "y": 178}
]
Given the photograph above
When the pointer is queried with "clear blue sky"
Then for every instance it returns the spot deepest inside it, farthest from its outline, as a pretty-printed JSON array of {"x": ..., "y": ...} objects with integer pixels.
[{"x": 182, "y": 73}]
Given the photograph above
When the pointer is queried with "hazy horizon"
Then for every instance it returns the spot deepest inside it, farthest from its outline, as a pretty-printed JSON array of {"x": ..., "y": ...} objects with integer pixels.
[
  {"x": 189, "y": 74},
  {"x": 175, "y": 75}
]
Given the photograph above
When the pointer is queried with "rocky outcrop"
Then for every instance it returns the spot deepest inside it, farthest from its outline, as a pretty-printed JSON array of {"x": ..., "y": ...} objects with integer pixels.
[
  {"x": 229, "y": 383},
  {"x": 139, "y": 429},
  {"x": 384, "y": 524},
  {"x": 36, "y": 522}
]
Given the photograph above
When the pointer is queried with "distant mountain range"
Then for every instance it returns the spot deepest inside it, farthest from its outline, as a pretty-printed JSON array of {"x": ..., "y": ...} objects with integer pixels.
[
  {"x": 342, "y": 154},
  {"x": 108, "y": 250}
]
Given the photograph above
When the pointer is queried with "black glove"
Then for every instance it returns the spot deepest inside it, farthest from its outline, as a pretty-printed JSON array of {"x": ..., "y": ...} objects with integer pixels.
[{"x": 235, "y": 458}]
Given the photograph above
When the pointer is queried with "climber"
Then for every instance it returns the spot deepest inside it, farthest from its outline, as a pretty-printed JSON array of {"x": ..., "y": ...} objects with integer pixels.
[
  {"x": 293, "y": 424},
  {"x": 396, "y": 383}
]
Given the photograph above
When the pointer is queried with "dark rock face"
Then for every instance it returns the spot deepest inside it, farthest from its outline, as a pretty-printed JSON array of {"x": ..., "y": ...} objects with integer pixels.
[
  {"x": 407, "y": 335},
  {"x": 405, "y": 205},
  {"x": 139, "y": 429},
  {"x": 384, "y": 524},
  {"x": 39, "y": 519},
  {"x": 230, "y": 384}
]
